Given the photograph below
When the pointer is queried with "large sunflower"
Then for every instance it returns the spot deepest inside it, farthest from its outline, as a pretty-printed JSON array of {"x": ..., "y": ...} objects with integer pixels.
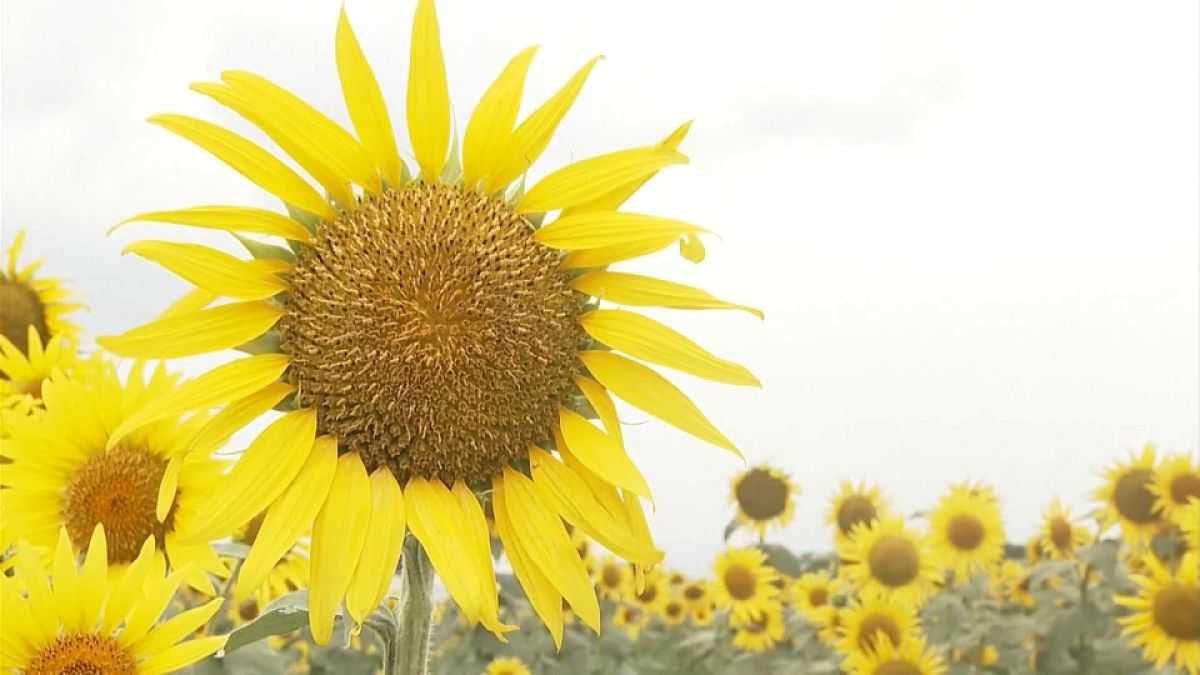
[
  {"x": 764, "y": 496},
  {"x": 911, "y": 657},
  {"x": 82, "y": 621},
  {"x": 1128, "y": 499},
  {"x": 1176, "y": 481},
  {"x": 887, "y": 559},
  {"x": 155, "y": 482},
  {"x": 439, "y": 337},
  {"x": 1166, "y": 613},
  {"x": 742, "y": 583},
  {"x": 965, "y": 532},
  {"x": 33, "y": 301},
  {"x": 1061, "y": 536},
  {"x": 853, "y": 504}
]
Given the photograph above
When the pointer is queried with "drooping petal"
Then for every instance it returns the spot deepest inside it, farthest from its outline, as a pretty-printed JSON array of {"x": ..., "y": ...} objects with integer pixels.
[
  {"x": 587, "y": 179},
  {"x": 608, "y": 229},
  {"x": 237, "y": 415},
  {"x": 622, "y": 288},
  {"x": 244, "y": 219},
  {"x": 338, "y": 538},
  {"x": 428, "y": 103},
  {"x": 479, "y": 552},
  {"x": 365, "y": 103},
  {"x": 597, "y": 397},
  {"x": 542, "y": 595},
  {"x": 207, "y": 330},
  {"x": 168, "y": 487},
  {"x": 643, "y": 388},
  {"x": 600, "y": 452},
  {"x": 248, "y": 159},
  {"x": 435, "y": 519},
  {"x": 377, "y": 562},
  {"x": 492, "y": 121},
  {"x": 215, "y": 270}
]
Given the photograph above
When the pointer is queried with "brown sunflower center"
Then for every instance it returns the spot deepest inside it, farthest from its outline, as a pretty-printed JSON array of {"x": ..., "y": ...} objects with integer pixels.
[
  {"x": 875, "y": 626},
  {"x": 1177, "y": 611},
  {"x": 22, "y": 309},
  {"x": 855, "y": 509},
  {"x": 964, "y": 532},
  {"x": 1060, "y": 533},
  {"x": 82, "y": 654},
  {"x": 119, "y": 489},
  {"x": 673, "y": 610},
  {"x": 740, "y": 582},
  {"x": 693, "y": 592},
  {"x": 432, "y": 333},
  {"x": 897, "y": 667},
  {"x": 1184, "y": 487},
  {"x": 894, "y": 561},
  {"x": 1133, "y": 498},
  {"x": 611, "y": 576},
  {"x": 648, "y": 594},
  {"x": 762, "y": 496},
  {"x": 818, "y": 597}
]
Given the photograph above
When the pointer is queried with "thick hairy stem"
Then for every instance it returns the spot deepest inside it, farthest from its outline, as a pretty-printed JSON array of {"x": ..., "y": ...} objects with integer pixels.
[{"x": 414, "y": 615}]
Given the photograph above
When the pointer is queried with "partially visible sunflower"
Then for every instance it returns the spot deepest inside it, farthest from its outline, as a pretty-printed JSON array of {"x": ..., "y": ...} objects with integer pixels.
[
  {"x": 674, "y": 611},
  {"x": 653, "y": 592},
  {"x": 742, "y": 583},
  {"x": 888, "y": 559},
  {"x": 506, "y": 665},
  {"x": 1128, "y": 499},
  {"x": 869, "y": 619},
  {"x": 156, "y": 482},
  {"x": 854, "y": 504},
  {"x": 79, "y": 620},
  {"x": 765, "y": 497},
  {"x": 702, "y": 615},
  {"x": 1061, "y": 536},
  {"x": 22, "y": 373},
  {"x": 1189, "y": 525},
  {"x": 910, "y": 658},
  {"x": 631, "y": 620},
  {"x": 760, "y": 633},
  {"x": 1176, "y": 481},
  {"x": 1165, "y": 621},
  {"x": 402, "y": 302},
  {"x": 697, "y": 592},
  {"x": 612, "y": 577},
  {"x": 965, "y": 533},
  {"x": 812, "y": 595},
  {"x": 30, "y": 301}
]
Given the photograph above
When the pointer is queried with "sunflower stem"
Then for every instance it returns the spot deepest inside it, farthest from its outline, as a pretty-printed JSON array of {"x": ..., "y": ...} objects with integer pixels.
[{"x": 414, "y": 615}]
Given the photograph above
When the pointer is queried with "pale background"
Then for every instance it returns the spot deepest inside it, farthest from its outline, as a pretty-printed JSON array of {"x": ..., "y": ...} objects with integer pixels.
[{"x": 973, "y": 227}]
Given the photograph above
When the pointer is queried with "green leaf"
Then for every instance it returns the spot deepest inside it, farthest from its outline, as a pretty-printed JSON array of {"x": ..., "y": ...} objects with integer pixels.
[
  {"x": 263, "y": 251},
  {"x": 783, "y": 560},
  {"x": 281, "y": 617}
]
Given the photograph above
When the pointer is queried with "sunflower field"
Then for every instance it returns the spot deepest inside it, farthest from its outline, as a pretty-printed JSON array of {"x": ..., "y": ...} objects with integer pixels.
[{"x": 430, "y": 355}]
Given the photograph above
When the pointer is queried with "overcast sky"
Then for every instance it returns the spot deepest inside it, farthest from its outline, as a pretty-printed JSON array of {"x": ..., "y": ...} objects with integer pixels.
[{"x": 972, "y": 226}]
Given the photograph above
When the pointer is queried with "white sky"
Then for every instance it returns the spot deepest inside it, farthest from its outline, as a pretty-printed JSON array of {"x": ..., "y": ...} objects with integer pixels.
[{"x": 973, "y": 226}]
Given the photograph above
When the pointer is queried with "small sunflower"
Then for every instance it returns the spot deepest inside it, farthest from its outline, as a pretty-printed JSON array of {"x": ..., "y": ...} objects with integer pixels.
[
  {"x": 812, "y": 595},
  {"x": 676, "y": 579},
  {"x": 1128, "y": 499},
  {"x": 742, "y": 583},
  {"x": 762, "y": 632},
  {"x": 910, "y": 658},
  {"x": 674, "y": 611},
  {"x": 30, "y": 301},
  {"x": 506, "y": 665},
  {"x": 1189, "y": 525},
  {"x": 765, "y": 497},
  {"x": 697, "y": 592},
  {"x": 1176, "y": 481},
  {"x": 22, "y": 373},
  {"x": 870, "y": 619},
  {"x": 653, "y": 592},
  {"x": 154, "y": 483},
  {"x": 400, "y": 302},
  {"x": 631, "y": 620},
  {"x": 887, "y": 559},
  {"x": 965, "y": 532},
  {"x": 612, "y": 577},
  {"x": 1165, "y": 621},
  {"x": 79, "y": 620},
  {"x": 702, "y": 615},
  {"x": 1061, "y": 536},
  {"x": 852, "y": 505}
]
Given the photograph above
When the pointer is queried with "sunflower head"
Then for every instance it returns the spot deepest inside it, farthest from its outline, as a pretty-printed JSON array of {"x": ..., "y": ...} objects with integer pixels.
[
  {"x": 813, "y": 593},
  {"x": 870, "y": 619},
  {"x": 631, "y": 620},
  {"x": 764, "y": 496},
  {"x": 911, "y": 657},
  {"x": 506, "y": 665},
  {"x": 696, "y": 592},
  {"x": 965, "y": 532},
  {"x": 612, "y": 577},
  {"x": 1061, "y": 536},
  {"x": 742, "y": 583},
  {"x": 885, "y": 558},
  {"x": 1164, "y": 617},
  {"x": 674, "y": 611},
  {"x": 1176, "y": 482},
  {"x": 33, "y": 304},
  {"x": 1128, "y": 499},
  {"x": 760, "y": 633},
  {"x": 853, "y": 505}
]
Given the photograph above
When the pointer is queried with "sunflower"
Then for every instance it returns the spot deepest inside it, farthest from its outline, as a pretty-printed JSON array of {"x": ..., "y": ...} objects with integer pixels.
[
  {"x": 653, "y": 592},
  {"x": 965, "y": 533},
  {"x": 1061, "y": 536},
  {"x": 702, "y": 615},
  {"x": 22, "y": 373},
  {"x": 1189, "y": 525},
  {"x": 887, "y": 559},
  {"x": 631, "y": 620},
  {"x": 1128, "y": 499},
  {"x": 854, "y": 504},
  {"x": 30, "y": 301},
  {"x": 402, "y": 303},
  {"x": 743, "y": 583},
  {"x": 80, "y": 621},
  {"x": 506, "y": 665},
  {"x": 612, "y": 577},
  {"x": 66, "y": 472},
  {"x": 764, "y": 497},
  {"x": 869, "y": 619},
  {"x": 1165, "y": 621},
  {"x": 812, "y": 595},
  {"x": 1176, "y": 481},
  {"x": 674, "y": 611},
  {"x": 696, "y": 593},
  {"x": 910, "y": 658},
  {"x": 762, "y": 632}
]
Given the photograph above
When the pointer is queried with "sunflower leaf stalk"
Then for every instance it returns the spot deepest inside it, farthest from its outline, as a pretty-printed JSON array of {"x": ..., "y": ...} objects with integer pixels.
[{"x": 414, "y": 615}]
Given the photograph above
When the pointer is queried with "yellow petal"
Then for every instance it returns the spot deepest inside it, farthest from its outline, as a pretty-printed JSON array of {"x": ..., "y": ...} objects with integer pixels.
[
  {"x": 608, "y": 229},
  {"x": 66, "y": 585},
  {"x": 93, "y": 580},
  {"x": 145, "y": 612},
  {"x": 539, "y": 529},
  {"x": 607, "y": 255},
  {"x": 573, "y": 498},
  {"x": 181, "y": 655},
  {"x": 377, "y": 562},
  {"x": 261, "y": 474},
  {"x": 237, "y": 415},
  {"x": 597, "y": 397},
  {"x": 244, "y": 219},
  {"x": 365, "y": 103},
  {"x": 600, "y": 452},
  {"x": 250, "y": 160},
  {"x": 646, "y": 339},
  {"x": 290, "y": 517},
  {"x": 225, "y": 383},
  {"x": 208, "y": 330},
  {"x": 168, "y": 487},
  {"x": 643, "y": 388},
  {"x": 480, "y": 555},
  {"x": 691, "y": 248},
  {"x": 435, "y": 519},
  {"x": 28, "y": 566},
  {"x": 338, "y": 537},
  {"x": 588, "y": 178},
  {"x": 176, "y": 628},
  {"x": 130, "y": 589},
  {"x": 492, "y": 121},
  {"x": 216, "y": 271},
  {"x": 194, "y": 301},
  {"x": 531, "y": 137},
  {"x": 542, "y": 595},
  {"x": 428, "y": 103},
  {"x": 635, "y": 290},
  {"x": 616, "y": 197}
]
